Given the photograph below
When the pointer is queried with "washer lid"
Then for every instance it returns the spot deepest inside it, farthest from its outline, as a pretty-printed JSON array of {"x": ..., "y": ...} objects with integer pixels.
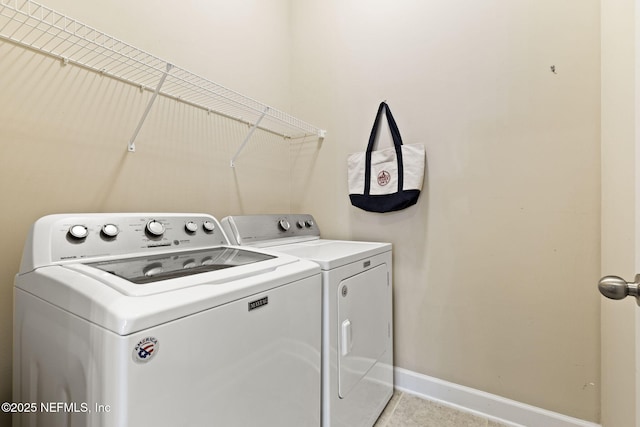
[
  {"x": 125, "y": 307},
  {"x": 330, "y": 254},
  {"x": 171, "y": 271},
  {"x": 143, "y": 270}
]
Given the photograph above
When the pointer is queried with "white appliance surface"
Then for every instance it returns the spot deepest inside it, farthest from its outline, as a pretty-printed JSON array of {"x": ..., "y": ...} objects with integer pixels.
[
  {"x": 357, "y": 346},
  {"x": 330, "y": 254},
  {"x": 130, "y": 319}
]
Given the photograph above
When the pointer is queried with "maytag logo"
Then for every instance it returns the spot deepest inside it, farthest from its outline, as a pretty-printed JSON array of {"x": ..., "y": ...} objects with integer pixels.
[{"x": 258, "y": 303}]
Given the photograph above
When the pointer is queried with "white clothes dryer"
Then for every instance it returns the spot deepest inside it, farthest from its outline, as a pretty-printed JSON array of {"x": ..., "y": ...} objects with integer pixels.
[
  {"x": 357, "y": 324},
  {"x": 153, "y": 319}
]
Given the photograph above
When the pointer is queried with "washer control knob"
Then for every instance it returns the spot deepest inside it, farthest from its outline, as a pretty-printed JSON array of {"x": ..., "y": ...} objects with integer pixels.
[
  {"x": 208, "y": 226},
  {"x": 110, "y": 230},
  {"x": 78, "y": 232},
  {"x": 309, "y": 223},
  {"x": 155, "y": 228},
  {"x": 300, "y": 223},
  {"x": 284, "y": 224},
  {"x": 191, "y": 227}
]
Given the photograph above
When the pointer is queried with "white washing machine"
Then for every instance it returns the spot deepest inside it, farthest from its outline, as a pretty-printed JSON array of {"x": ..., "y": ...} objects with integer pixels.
[
  {"x": 153, "y": 319},
  {"x": 357, "y": 325}
]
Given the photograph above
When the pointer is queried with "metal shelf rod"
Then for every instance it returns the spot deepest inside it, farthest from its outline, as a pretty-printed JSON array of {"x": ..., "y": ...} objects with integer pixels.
[
  {"x": 132, "y": 145},
  {"x": 246, "y": 139}
]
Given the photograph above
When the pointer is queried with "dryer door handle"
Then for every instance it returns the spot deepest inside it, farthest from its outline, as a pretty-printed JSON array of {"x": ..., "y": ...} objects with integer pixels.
[{"x": 346, "y": 342}]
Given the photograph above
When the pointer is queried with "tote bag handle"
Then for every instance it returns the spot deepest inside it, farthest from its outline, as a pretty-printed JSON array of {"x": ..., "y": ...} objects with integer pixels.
[{"x": 397, "y": 143}]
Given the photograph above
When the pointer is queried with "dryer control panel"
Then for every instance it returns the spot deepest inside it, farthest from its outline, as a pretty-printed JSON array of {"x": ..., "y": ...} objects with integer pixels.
[
  {"x": 63, "y": 237},
  {"x": 266, "y": 230}
]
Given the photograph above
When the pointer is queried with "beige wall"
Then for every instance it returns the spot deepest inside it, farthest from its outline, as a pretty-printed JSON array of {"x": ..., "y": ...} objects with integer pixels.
[
  {"x": 496, "y": 265},
  {"x": 495, "y": 268}
]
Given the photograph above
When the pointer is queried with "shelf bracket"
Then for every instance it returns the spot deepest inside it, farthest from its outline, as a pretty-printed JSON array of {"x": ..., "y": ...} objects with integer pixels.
[
  {"x": 132, "y": 145},
  {"x": 246, "y": 139}
]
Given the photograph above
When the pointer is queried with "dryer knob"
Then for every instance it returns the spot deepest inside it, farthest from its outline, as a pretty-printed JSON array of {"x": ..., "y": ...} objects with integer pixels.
[
  {"x": 78, "y": 232},
  {"x": 309, "y": 223},
  {"x": 208, "y": 226},
  {"x": 284, "y": 224},
  {"x": 300, "y": 224},
  {"x": 155, "y": 228}
]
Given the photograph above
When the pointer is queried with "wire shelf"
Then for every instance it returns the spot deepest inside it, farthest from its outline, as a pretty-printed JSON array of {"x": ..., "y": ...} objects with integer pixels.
[{"x": 37, "y": 27}]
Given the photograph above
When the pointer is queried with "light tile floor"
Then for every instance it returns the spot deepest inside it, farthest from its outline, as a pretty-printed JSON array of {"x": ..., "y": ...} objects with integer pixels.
[{"x": 406, "y": 410}]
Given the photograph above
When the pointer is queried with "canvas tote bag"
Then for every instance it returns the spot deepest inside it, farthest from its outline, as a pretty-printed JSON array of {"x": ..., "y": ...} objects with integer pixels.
[{"x": 386, "y": 180}]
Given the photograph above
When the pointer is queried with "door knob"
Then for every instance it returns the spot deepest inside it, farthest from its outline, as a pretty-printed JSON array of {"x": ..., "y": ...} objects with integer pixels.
[{"x": 615, "y": 287}]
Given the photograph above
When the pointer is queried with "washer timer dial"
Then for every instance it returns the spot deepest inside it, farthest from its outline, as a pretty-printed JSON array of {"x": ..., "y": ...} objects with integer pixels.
[{"x": 155, "y": 228}]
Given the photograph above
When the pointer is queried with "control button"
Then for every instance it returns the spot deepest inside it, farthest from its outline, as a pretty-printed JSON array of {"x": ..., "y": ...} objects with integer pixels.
[
  {"x": 207, "y": 260},
  {"x": 110, "y": 230},
  {"x": 78, "y": 232},
  {"x": 152, "y": 269},
  {"x": 309, "y": 223},
  {"x": 155, "y": 228},
  {"x": 190, "y": 263},
  {"x": 284, "y": 224},
  {"x": 300, "y": 223},
  {"x": 209, "y": 226},
  {"x": 191, "y": 227}
]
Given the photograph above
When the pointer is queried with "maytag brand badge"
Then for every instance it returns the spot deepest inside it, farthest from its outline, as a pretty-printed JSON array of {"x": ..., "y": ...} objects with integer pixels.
[
  {"x": 145, "y": 350},
  {"x": 258, "y": 303}
]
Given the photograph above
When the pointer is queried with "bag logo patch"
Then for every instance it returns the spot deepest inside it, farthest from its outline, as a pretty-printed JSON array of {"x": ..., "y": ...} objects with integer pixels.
[{"x": 383, "y": 178}]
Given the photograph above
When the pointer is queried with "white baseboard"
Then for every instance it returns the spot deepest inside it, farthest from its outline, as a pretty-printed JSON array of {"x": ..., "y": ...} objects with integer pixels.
[{"x": 481, "y": 403}]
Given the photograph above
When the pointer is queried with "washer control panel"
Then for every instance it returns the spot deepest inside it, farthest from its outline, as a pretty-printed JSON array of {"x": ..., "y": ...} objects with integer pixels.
[
  {"x": 83, "y": 236},
  {"x": 269, "y": 229}
]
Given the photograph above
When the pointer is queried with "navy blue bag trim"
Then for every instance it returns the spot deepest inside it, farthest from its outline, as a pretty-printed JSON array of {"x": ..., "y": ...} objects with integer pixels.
[{"x": 384, "y": 202}]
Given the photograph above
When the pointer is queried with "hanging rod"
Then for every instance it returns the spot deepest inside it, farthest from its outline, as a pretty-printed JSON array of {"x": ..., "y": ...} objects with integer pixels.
[{"x": 44, "y": 30}]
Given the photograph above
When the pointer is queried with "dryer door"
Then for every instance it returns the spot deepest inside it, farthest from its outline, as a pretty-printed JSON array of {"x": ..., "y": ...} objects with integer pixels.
[{"x": 364, "y": 303}]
